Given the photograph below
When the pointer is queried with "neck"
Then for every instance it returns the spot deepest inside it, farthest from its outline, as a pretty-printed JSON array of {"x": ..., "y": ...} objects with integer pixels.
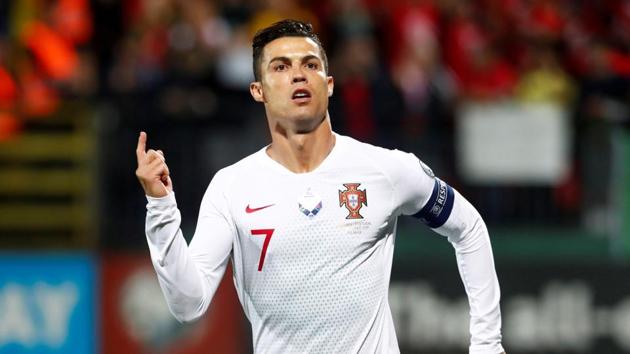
[{"x": 301, "y": 152}]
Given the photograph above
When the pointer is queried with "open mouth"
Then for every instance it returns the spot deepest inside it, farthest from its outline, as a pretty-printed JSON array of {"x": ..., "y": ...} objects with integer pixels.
[{"x": 301, "y": 95}]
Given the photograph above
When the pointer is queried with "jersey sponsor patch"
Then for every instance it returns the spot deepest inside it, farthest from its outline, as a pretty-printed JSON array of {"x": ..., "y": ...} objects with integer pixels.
[
  {"x": 310, "y": 204},
  {"x": 439, "y": 206},
  {"x": 310, "y": 212},
  {"x": 354, "y": 199}
]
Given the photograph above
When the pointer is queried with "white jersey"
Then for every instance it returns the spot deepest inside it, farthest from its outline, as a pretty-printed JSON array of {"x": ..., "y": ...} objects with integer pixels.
[{"x": 312, "y": 252}]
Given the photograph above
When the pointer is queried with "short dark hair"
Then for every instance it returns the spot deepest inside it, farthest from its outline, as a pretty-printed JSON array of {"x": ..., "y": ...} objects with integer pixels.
[{"x": 284, "y": 28}]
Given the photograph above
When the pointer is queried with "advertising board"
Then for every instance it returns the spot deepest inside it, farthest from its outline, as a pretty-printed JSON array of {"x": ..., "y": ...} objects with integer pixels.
[
  {"x": 47, "y": 303},
  {"x": 545, "y": 309},
  {"x": 136, "y": 318}
]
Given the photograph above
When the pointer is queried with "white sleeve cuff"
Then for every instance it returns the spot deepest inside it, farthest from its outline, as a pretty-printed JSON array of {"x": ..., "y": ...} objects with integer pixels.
[
  {"x": 486, "y": 349},
  {"x": 165, "y": 201}
]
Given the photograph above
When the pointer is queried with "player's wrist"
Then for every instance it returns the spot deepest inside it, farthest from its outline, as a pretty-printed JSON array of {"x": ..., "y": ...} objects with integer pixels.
[
  {"x": 487, "y": 349},
  {"x": 167, "y": 200}
]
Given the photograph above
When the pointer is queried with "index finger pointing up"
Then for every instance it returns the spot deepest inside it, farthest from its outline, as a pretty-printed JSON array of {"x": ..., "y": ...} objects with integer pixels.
[{"x": 141, "y": 150}]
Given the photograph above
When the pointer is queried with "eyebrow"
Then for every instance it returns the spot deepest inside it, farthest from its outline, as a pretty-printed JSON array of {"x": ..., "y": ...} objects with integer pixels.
[{"x": 287, "y": 60}]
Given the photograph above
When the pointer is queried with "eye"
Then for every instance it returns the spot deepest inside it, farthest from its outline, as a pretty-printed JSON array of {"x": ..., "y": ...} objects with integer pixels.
[
  {"x": 280, "y": 67},
  {"x": 312, "y": 66}
]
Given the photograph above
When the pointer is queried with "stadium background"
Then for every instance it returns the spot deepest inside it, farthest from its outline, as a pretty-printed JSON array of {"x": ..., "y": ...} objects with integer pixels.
[{"x": 523, "y": 105}]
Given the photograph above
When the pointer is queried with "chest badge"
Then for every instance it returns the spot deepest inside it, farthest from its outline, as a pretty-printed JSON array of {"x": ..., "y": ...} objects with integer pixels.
[
  {"x": 354, "y": 199},
  {"x": 310, "y": 204}
]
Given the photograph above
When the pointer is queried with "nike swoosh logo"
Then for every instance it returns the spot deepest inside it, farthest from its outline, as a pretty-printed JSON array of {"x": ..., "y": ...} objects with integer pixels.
[{"x": 249, "y": 210}]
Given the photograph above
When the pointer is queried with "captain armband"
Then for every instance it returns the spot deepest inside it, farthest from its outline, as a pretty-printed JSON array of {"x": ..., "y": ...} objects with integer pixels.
[{"x": 439, "y": 206}]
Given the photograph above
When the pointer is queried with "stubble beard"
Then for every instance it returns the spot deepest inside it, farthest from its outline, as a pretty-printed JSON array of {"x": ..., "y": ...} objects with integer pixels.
[
  {"x": 308, "y": 125},
  {"x": 300, "y": 123}
]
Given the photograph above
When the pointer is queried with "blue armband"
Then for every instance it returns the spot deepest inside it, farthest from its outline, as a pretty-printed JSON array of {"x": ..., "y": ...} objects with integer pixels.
[{"x": 439, "y": 206}]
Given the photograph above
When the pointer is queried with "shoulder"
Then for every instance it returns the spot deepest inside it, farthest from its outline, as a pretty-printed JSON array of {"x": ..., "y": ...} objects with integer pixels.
[
  {"x": 412, "y": 181},
  {"x": 227, "y": 175},
  {"x": 225, "y": 184},
  {"x": 386, "y": 160}
]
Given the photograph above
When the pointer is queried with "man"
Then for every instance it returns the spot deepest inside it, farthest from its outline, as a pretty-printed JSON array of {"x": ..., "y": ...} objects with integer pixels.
[{"x": 309, "y": 221}]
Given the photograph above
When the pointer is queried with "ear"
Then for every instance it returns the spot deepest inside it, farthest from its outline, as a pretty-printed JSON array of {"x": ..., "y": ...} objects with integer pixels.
[
  {"x": 331, "y": 84},
  {"x": 256, "y": 90}
]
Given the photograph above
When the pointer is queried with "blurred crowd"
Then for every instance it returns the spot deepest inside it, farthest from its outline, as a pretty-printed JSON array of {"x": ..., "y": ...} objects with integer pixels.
[
  {"x": 398, "y": 64},
  {"x": 42, "y": 59},
  {"x": 401, "y": 67}
]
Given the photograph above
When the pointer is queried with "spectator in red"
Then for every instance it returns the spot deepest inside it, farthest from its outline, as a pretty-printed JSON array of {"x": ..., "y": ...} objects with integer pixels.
[
  {"x": 417, "y": 70},
  {"x": 463, "y": 36},
  {"x": 367, "y": 103},
  {"x": 489, "y": 77},
  {"x": 546, "y": 19},
  {"x": 9, "y": 124},
  {"x": 414, "y": 25}
]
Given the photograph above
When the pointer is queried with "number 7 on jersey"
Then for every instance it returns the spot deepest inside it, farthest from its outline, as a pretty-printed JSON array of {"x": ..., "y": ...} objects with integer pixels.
[{"x": 267, "y": 233}]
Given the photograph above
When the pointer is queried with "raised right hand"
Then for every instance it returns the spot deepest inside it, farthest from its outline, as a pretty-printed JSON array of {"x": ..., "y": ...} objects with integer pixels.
[{"x": 152, "y": 171}]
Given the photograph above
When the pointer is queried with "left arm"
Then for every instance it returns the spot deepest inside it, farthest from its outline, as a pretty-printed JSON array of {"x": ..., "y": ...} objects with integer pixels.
[
  {"x": 419, "y": 193},
  {"x": 460, "y": 222}
]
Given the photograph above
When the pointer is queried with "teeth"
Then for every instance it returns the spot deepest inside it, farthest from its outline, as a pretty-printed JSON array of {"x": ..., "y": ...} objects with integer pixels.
[{"x": 300, "y": 95}]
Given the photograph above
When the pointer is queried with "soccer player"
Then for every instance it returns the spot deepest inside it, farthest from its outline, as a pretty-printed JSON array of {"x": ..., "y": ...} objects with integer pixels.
[{"x": 309, "y": 221}]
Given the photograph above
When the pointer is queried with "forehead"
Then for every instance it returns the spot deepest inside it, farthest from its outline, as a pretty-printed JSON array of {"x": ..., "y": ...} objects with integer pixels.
[{"x": 291, "y": 47}]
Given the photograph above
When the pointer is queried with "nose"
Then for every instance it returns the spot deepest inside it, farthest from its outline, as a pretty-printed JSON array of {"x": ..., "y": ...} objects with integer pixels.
[{"x": 298, "y": 76}]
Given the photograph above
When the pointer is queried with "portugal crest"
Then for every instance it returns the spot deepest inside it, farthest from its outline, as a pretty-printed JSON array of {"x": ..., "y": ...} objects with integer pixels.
[{"x": 354, "y": 199}]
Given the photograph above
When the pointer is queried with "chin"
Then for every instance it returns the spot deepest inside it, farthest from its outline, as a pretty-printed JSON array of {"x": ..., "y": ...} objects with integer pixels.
[{"x": 307, "y": 124}]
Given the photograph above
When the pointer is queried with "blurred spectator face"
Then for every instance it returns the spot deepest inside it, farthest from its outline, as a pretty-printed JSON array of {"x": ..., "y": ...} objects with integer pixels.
[
  {"x": 282, "y": 5},
  {"x": 358, "y": 55},
  {"x": 156, "y": 10},
  {"x": 598, "y": 64},
  {"x": 481, "y": 57},
  {"x": 463, "y": 9},
  {"x": 294, "y": 85}
]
